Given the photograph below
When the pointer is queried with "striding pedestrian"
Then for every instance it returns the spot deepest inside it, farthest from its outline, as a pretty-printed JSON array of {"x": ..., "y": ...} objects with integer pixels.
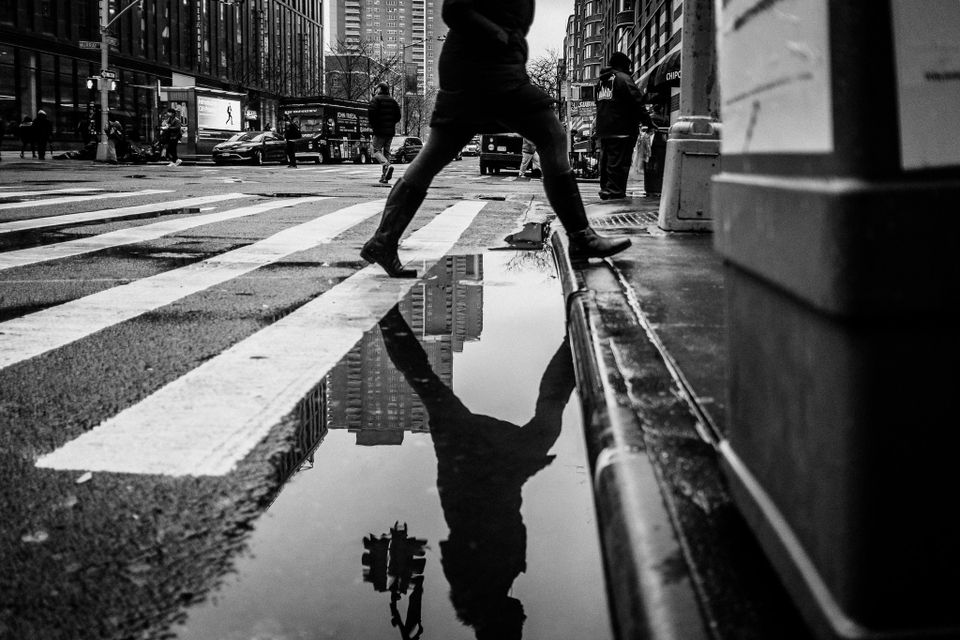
[
  {"x": 528, "y": 157},
  {"x": 620, "y": 112},
  {"x": 484, "y": 88},
  {"x": 25, "y": 133},
  {"x": 383, "y": 114}
]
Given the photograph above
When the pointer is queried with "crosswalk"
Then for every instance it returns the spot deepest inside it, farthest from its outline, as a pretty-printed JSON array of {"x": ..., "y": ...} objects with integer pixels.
[{"x": 205, "y": 421}]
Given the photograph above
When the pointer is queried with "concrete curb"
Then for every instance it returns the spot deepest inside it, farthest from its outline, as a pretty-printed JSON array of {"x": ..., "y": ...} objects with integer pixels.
[{"x": 651, "y": 592}]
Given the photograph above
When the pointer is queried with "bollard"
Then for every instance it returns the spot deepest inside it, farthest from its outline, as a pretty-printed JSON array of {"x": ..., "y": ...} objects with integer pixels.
[{"x": 836, "y": 217}]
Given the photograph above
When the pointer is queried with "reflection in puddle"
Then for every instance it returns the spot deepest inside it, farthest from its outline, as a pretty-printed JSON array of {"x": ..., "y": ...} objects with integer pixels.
[{"x": 451, "y": 520}]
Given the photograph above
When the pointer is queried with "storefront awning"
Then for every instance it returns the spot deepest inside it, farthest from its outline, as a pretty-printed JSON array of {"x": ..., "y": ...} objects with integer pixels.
[{"x": 665, "y": 73}]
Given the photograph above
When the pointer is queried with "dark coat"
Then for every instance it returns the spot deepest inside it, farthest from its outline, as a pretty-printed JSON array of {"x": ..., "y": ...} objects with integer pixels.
[
  {"x": 620, "y": 110},
  {"x": 42, "y": 128},
  {"x": 292, "y": 131},
  {"x": 383, "y": 113}
]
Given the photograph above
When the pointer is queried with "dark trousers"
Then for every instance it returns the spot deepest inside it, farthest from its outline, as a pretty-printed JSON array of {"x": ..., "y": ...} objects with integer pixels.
[
  {"x": 172, "y": 154},
  {"x": 291, "y": 153},
  {"x": 42, "y": 148},
  {"x": 616, "y": 155}
]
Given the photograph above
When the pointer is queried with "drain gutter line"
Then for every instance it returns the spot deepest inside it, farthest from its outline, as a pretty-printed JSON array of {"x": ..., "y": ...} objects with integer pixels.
[{"x": 647, "y": 597}]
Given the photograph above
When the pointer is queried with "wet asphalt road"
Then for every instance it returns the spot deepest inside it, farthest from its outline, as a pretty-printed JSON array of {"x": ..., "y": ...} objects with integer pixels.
[{"x": 171, "y": 519}]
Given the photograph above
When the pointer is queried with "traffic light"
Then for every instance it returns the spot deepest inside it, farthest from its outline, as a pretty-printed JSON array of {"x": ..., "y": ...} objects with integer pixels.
[{"x": 94, "y": 83}]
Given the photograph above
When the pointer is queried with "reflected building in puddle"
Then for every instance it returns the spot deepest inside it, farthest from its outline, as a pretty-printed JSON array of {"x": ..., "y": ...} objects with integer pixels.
[{"x": 366, "y": 395}]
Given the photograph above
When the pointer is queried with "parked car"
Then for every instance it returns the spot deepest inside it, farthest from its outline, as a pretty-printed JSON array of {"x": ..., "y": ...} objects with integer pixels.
[
  {"x": 255, "y": 147},
  {"x": 407, "y": 150},
  {"x": 472, "y": 148},
  {"x": 500, "y": 151}
]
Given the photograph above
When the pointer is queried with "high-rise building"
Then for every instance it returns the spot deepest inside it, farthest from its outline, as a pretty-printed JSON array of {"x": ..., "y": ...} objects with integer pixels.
[{"x": 405, "y": 33}]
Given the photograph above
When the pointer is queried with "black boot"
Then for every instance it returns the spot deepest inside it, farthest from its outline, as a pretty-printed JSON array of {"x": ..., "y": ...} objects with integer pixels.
[
  {"x": 402, "y": 204},
  {"x": 564, "y": 197},
  {"x": 383, "y": 174},
  {"x": 389, "y": 174}
]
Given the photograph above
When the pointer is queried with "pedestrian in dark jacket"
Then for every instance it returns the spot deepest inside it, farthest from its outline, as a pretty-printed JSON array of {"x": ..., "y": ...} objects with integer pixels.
[
  {"x": 484, "y": 88},
  {"x": 291, "y": 132},
  {"x": 42, "y": 130},
  {"x": 170, "y": 133},
  {"x": 25, "y": 133},
  {"x": 620, "y": 112},
  {"x": 383, "y": 113}
]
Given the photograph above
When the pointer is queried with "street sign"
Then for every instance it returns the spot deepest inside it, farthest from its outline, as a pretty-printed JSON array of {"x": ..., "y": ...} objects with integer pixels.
[
  {"x": 108, "y": 74},
  {"x": 112, "y": 41},
  {"x": 89, "y": 44}
]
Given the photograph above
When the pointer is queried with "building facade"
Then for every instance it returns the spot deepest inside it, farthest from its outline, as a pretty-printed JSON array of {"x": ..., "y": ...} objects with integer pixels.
[
  {"x": 649, "y": 31},
  {"x": 250, "y": 51}
]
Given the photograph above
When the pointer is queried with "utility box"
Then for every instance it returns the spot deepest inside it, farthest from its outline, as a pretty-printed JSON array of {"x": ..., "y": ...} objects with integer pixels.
[
  {"x": 837, "y": 220},
  {"x": 694, "y": 148}
]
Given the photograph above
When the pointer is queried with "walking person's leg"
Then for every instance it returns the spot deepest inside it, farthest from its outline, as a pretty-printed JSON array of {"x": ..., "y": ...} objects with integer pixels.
[
  {"x": 407, "y": 195},
  {"x": 381, "y": 152},
  {"x": 560, "y": 185}
]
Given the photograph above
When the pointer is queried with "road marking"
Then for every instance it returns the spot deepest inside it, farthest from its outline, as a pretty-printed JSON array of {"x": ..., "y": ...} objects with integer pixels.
[
  {"x": 360, "y": 172},
  {"x": 31, "y": 335},
  {"x": 107, "y": 214},
  {"x": 20, "y": 194},
  {"x": 84, "y": 198},
  {"x": 120, "y": 237},
  {"x": 208, "y": 420}
]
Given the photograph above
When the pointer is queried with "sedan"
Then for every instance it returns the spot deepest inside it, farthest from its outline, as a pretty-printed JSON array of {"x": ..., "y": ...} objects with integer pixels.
[
  {"x": 255, "y": 147},
  {"x": 407, "y": 150}
]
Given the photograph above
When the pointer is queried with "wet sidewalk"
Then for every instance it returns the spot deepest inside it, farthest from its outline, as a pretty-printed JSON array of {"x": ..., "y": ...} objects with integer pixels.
[{"x": 648, "y": 331}]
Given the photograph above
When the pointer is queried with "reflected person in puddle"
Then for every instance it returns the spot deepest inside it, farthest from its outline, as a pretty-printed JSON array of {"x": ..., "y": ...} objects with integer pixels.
[{"x": 482, "y": 464}]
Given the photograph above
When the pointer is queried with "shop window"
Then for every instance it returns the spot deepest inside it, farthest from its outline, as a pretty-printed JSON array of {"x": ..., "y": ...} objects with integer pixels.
[{"x": 8, "y": 84}]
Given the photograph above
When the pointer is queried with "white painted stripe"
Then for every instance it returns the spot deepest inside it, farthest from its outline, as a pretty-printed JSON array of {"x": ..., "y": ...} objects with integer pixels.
[
  {"x": 120, "y": 237},
  {"x": 205, "y": 422},
  {"x": 107, "y": 214},
  {"x": 31, "y": 335},
  {"x": 361, "y": 172},
  {"x": 69, "y": 199},
  {"x": 20, "y": 194}
]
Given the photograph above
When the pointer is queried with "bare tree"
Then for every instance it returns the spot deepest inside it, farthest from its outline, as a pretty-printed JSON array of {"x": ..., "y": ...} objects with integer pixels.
[
  {"x": 543, "y": 72},
  {"x": 354, "y": 69}
]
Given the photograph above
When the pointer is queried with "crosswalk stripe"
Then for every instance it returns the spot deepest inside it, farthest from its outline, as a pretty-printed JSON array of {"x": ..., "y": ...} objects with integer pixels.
[
  {"x": 107, "y": 214},
  {"x": 120, "y": 237},
  {"x": 208, "y": 420},
  {"x": 20, "y": 194},
  {"x": 31, "y": 335},
  {"x": 83, "y": 198}
]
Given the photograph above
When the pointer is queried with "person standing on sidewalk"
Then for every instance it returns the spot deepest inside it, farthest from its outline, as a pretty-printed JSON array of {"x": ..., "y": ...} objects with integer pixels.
[
  {"x": 620, "y": 112},
  {"x": 291, "y": 133},
  {"x": 170, "y": 133},
  {"x": 484, "y": 88},
  {"x": 383, "y": 114},
  {"x": 646, "y": 153},
  {"x": 42, "y": 130}
]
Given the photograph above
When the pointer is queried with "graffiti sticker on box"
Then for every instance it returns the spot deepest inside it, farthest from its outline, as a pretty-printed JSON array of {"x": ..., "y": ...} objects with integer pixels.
[
  {"x": 774, "y": 63},
  {"x": 927, "y": 50}
]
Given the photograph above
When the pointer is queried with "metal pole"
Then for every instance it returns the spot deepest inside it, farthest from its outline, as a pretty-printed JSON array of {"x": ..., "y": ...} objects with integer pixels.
[{"x": 103, "y": 149}]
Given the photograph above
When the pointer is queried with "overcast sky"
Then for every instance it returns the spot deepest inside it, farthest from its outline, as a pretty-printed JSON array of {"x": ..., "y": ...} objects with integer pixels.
[{"x": 549, "y": 26}]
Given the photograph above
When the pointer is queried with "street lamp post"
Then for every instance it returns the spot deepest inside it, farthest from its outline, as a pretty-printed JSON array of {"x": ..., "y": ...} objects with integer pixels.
[{"x": 106, "y": 75}]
